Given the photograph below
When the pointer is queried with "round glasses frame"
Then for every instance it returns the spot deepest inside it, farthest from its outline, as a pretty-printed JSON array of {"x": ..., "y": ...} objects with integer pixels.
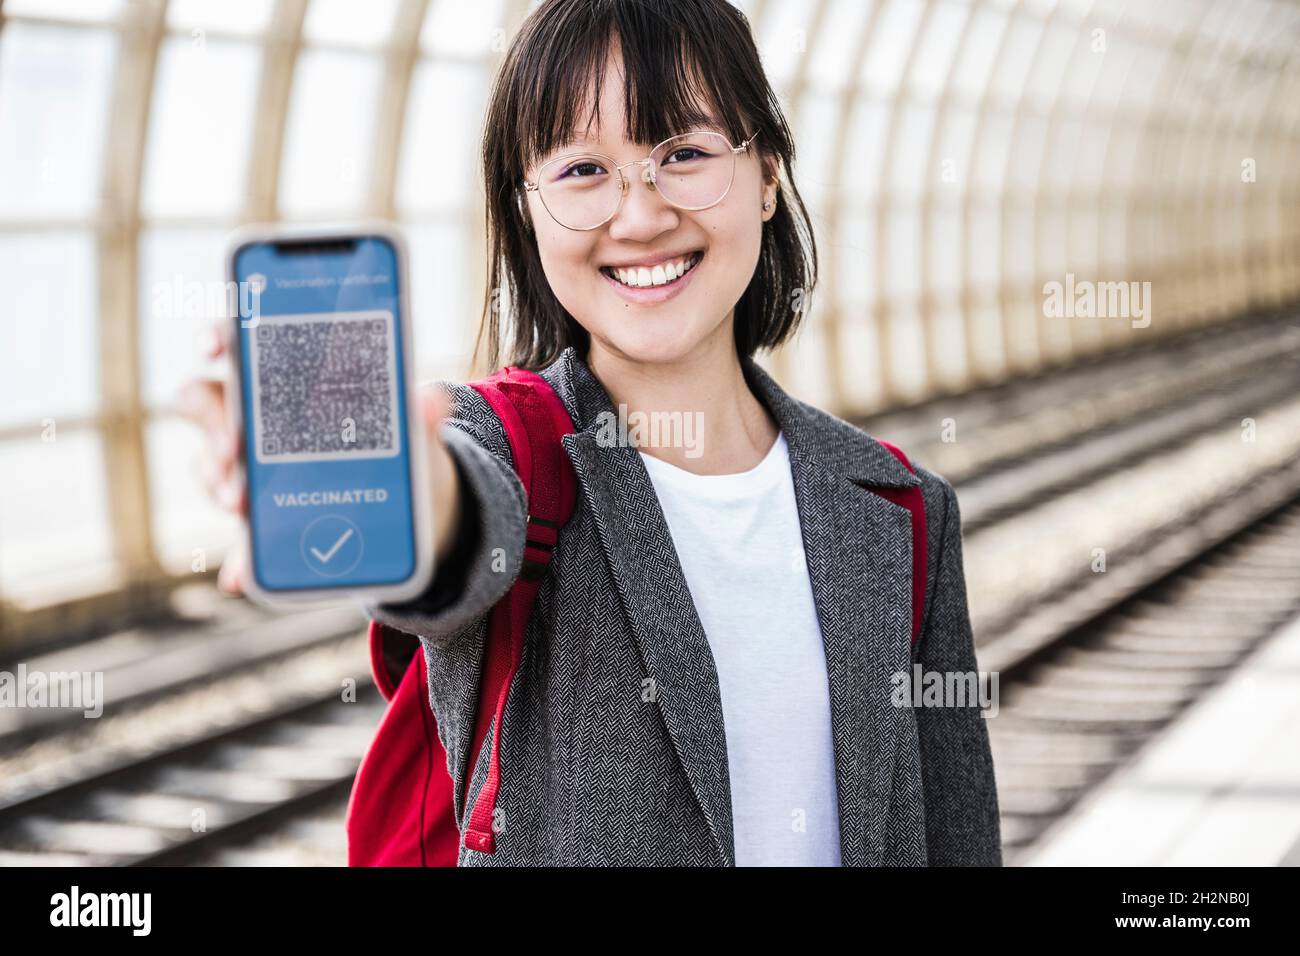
[{"x": 648, "y": 176}]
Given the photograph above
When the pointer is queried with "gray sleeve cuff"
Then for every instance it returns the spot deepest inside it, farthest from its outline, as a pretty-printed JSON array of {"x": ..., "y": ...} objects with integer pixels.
[{"x": 487, "y": 563}]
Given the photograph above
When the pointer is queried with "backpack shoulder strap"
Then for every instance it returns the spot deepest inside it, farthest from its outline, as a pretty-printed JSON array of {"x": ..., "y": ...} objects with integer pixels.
[
  {"x": 535, "y": 420},
  {"x": 913, "y": 499},
  {"x": 525, "y": 403},
  {"x": 391, "y": 651}
]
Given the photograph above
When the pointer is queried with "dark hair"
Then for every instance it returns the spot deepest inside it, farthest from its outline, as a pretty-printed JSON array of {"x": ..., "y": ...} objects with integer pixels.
[{"x": 676, "y": 54}]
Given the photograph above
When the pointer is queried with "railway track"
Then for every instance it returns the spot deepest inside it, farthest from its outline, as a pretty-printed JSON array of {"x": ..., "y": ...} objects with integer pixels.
[
  {"x": 220, "y": 789},
  {"x": 1003, "y": 427},
  {"x": 1091, "y": 667},
  {"x": 1074, "y": 708},
  {"x": 222, "y": 638}
]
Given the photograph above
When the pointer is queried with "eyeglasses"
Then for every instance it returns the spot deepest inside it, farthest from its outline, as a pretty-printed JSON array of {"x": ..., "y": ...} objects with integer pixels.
[{"x": 692, "y": 171}]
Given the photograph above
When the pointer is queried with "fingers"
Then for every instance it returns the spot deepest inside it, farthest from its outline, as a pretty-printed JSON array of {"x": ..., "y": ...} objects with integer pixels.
[
  {"x": 435, "y": 406},
  {"x": 200, "y": 399},
  {"x": 232, "y": 493},
  {"x": 203, "y": 401},
  {"x": 234, "y": 570},
  {"x": 215, "y": 339},
  {"x": 223, "y": 481}
]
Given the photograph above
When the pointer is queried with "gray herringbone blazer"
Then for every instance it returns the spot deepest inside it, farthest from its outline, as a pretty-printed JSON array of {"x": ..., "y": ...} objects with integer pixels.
[{"x": 593, "y": 773}]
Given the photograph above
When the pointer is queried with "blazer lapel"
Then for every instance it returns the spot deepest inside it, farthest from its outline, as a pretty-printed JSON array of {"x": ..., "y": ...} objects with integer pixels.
[
  {"x": 637, "y": 544},
  {"x": 858, "y": 551},
  {"x": 858, "y": 548}
]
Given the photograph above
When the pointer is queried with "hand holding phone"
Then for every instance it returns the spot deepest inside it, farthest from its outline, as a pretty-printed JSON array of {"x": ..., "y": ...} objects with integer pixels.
[
  {"x": 220, "y": 464},
  {"x": 330, "y": 426}
]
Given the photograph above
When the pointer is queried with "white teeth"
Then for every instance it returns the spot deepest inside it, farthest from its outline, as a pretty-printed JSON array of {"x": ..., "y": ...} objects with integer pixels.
[{"x": 642, "y": 277}]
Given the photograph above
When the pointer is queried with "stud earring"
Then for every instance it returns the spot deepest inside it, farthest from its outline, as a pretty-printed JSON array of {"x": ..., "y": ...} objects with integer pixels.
[{"x": 767, "y": 206}]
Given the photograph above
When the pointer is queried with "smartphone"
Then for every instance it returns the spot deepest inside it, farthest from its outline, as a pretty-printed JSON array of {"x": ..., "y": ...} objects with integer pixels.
[{"x": 323, "y": 394}]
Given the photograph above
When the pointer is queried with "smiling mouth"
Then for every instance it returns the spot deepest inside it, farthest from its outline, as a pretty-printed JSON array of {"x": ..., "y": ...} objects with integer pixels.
[{"x": 666, "y": 273}]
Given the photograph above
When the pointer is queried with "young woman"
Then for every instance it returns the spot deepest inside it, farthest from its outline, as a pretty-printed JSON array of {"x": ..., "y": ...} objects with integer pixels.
[{"x": 708, "y": 670}]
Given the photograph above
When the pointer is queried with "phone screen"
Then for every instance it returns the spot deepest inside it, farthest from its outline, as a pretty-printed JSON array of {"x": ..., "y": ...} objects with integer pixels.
[{"x": 325, "y": 421}]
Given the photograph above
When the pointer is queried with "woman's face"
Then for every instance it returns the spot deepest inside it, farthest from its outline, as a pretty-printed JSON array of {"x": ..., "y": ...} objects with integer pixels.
[{"x": 661, "y": 323}]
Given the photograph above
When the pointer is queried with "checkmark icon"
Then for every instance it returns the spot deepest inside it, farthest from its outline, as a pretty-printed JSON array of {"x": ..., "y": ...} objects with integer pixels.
[{"x": 334, "y": 549}]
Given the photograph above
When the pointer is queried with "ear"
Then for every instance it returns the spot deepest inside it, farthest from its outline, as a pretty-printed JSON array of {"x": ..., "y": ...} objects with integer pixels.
[
  {"x": 525, "y": 213},
  {"x": 771, "y": 185}
]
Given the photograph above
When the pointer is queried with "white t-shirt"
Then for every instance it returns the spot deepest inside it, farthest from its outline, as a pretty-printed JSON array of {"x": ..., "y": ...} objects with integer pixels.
[{"x": 740, "y": 547}]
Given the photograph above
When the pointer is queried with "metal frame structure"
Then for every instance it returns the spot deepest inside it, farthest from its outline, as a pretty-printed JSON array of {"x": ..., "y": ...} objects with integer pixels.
[{"x": 1128, "y": 179}]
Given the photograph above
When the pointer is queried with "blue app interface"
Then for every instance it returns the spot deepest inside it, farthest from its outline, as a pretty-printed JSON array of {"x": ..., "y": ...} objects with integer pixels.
[{"x": 325, "y": 419}]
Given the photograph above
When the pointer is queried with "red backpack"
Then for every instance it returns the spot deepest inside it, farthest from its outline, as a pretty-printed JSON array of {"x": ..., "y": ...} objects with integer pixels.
[{"x": 401, "y": 810}]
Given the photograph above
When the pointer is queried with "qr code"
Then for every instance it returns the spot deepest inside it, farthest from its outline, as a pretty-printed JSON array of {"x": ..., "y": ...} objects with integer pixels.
[{"x": 324, "y": 386}]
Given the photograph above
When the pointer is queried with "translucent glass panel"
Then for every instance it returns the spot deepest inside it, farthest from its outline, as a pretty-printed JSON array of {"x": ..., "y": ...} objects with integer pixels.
[
  {"x": 84, "y": 10},
  {"x": 202, "y": 123},
  {"x": 349, "y": 23},
  {"x": 186, "y": 524},
  {"x": 856, "y": 250},
  {"x": 49, "y": 362},
  {"x": 1060, "y": 45},
  {"x": 1019, "y": 44},
  {"x": 439, "y": 165},
  {"x": 810, "y": 360},
  {"x": 1110, "y": 90},
  {"x": 54, "y": 90},
  {"x": 944, "y": 265},
  {"x": 1019, "y": 241},
  {"x": 454, "y": 28},
  {"x": 181, "y": 293},
  {"x": 859, "y": 356},
  {"x": 783, "y": 39},
  {"x": 868, "y": 131},
  {"x": 937, "y": 47},
  {"x": 882, "y": 67},
  {"x": 53, "y": 512},
  {"x": 831, "y": 66},
  {"x": 1088, "y": 63},
  {"x": 906, "y": 352},
  {"x": 330, "y": 135},
  {"x": 979, "y": 51},
  {"x": 948, "y": 336},
  {"x": 954, "y": 136},
  {"x": 817, "y": 132},
  {"x": 989, "y": 162},
  {"x": 902, "y": 266},
  {"x": 241, "y": 17},
  {"x": 445, "y": 299},
  {"x": 1014, "y": 148},
  {"x": 911, "y": 173},
  {"x": 981, "y": 247},
  {"x": 1088, "y": 161},
  {"x": 1058, "y": 157}
]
